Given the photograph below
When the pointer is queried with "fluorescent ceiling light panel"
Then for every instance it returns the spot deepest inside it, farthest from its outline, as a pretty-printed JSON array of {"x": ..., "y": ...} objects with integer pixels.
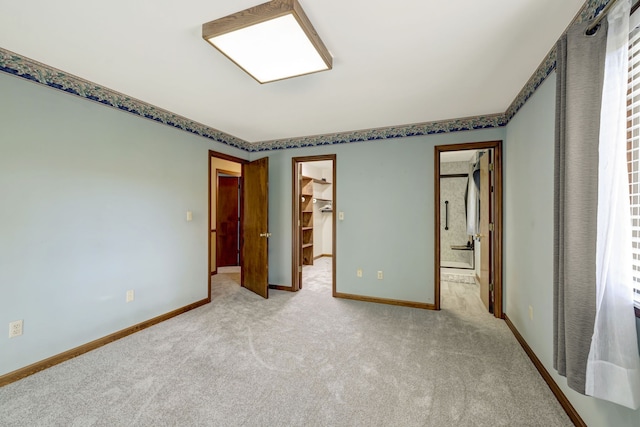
[
  {"x": 272, "y": 41},
  {"x": 271, "y": 50}
]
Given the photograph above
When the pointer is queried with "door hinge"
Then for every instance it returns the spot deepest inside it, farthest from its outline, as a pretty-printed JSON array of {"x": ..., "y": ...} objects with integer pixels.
[
  {"x": 299, "y": 269},
  {"x": 491, "y": 226},
  {"x": 490, "y": 167},
  {"x": 491, "y": 287}
]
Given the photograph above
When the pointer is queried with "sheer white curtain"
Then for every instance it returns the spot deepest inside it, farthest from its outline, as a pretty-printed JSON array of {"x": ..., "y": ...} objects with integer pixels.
[{"x": 613, "y": 365}]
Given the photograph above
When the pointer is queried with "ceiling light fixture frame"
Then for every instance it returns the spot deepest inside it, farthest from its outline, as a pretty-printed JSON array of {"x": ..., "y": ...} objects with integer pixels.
[{"x": 261, "y": 14}]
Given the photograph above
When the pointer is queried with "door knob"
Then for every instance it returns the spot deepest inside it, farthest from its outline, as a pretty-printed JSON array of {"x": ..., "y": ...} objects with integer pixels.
[{"x": 265, "y": 234}]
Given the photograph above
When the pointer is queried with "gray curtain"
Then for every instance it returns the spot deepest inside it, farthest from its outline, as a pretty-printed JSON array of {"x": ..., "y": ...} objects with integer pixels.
[{"x": 580, "y": 70}]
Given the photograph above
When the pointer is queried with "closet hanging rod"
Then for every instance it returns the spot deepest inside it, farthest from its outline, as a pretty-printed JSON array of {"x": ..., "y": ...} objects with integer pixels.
[{"x": 593, "y": 28}]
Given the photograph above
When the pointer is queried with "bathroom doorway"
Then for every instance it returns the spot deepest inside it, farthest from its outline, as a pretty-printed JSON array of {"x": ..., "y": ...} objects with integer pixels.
[
  {"x": 468, "y": 200},
  {"x": 457, "y": 190}
]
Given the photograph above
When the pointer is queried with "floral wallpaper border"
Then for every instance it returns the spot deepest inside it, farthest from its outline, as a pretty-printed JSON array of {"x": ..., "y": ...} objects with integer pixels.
[
  {"x": 589, "y": 10},
  {"x": 17, "y": 65},
  {"x": 428, "y": 128}
]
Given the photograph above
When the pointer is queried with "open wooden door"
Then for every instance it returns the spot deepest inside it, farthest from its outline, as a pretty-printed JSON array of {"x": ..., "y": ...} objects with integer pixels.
[
  {"x": 255, "y": 198},
  {"x": 484, "y": 236}
]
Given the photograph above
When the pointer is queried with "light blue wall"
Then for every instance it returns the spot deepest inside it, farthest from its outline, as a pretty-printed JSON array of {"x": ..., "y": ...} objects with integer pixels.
[
  {"x": 385, "y": 189},
  {"x": 528, "y": 254},
  {"x": 93, "y": 202}
]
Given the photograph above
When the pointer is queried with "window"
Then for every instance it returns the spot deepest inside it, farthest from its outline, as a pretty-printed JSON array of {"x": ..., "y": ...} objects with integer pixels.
[{"x": 633, "y": 153}]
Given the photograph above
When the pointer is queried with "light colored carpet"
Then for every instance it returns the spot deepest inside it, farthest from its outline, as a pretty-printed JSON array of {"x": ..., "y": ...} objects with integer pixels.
[{"x": 297, "y": 359}]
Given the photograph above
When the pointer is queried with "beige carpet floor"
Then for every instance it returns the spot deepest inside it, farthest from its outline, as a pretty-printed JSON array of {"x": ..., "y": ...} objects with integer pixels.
[{"x": 298, "y": 359}]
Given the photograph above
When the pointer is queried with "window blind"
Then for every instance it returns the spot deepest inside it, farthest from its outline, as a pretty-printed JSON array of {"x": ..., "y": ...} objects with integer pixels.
[{"x": 633, "y": 153}]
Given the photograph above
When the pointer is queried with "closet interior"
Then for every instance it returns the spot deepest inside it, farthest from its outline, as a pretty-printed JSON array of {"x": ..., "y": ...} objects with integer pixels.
[{"x": 316, "y": 210}]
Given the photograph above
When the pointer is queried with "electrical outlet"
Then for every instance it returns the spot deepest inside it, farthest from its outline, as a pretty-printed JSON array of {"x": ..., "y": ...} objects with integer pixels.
[
  {"x": 380, "y": 275},
  {"x": 15, "y": 328},
  {"x": 530, "y": 313},
  {"x": 359, "y": 272},
  {"x": 130, "y": 295}
]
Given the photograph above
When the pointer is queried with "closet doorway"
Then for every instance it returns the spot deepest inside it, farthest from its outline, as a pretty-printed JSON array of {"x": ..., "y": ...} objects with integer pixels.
[
  {"x": 468, "y": 226},
  {"x": 313, "y": 220}
]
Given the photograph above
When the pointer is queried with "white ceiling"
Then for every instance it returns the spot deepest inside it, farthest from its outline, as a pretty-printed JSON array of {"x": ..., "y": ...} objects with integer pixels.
[{"x": 394, "y": 62}]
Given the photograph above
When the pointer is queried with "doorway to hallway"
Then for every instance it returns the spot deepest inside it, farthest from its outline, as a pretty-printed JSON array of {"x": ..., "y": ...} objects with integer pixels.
[{"x": 238, "y": 238}]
